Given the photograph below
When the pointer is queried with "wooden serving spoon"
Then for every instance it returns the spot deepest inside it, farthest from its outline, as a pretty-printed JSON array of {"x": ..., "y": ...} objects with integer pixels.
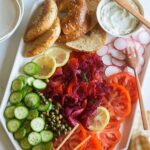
[
  {"x": 131, "y": 61},
  {"x": 126, "y": 5}
]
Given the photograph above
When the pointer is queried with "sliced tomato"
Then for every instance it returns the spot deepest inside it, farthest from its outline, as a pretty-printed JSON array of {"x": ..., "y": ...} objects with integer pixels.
[
  {"x": 117, "y": 101},
  {"x": 128, "y": 81},
  {"x": 77, "y": 137},
  {"x": 109, "y": 139},
  {"x": 93, "y": 143}
]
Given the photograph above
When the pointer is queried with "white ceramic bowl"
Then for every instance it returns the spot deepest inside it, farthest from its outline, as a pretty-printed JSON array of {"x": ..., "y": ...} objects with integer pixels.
[
  {"x": 103, "y": 2},
  {"x": 18, "y": 11}
]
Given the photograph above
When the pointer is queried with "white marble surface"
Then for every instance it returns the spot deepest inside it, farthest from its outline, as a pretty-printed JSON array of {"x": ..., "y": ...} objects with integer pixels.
[{"x": 8, "y": 51}]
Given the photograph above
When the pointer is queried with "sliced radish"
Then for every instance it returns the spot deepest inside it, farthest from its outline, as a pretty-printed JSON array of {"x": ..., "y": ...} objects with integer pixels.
[
  {"x": 110, "y": 70},
  {"x": 129, "y": 70},
  {"x": 139, "y": 69},
  {"x": 102, "y": 51},
  {"x": 110, "y": 39},
  {"x": 120, "y": 44},
  {"x": 141, "y": 60},
  {"x": 144, "y": 37},
  {"x": 117, "y": 62},
  {"x": 139, "y": 48},
  {"x": 107, "y": 60},
  {"x": 117, "y": 54},
  {"x": 136, "y": 34}
]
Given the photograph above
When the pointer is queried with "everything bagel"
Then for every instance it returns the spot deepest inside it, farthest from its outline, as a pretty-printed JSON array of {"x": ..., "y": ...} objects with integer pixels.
[{"x": 76, "y": 11}]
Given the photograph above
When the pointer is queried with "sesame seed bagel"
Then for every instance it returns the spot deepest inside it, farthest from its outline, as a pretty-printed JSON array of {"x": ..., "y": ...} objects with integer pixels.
[
  {"x": 41, "y": 21},
  {"x": 76, "y": 11},
  {"x": 43, "y": 42}
]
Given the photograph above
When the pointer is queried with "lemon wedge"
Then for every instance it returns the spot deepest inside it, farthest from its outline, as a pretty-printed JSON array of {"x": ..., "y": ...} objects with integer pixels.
[
  {"x": 60, "y": 54},
  {"x": 99, "y": 120},
  {"x": 47, "y": 66}
]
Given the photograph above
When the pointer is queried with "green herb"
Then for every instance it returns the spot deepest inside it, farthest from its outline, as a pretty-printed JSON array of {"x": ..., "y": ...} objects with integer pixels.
[{"x": 84, "y": 77}]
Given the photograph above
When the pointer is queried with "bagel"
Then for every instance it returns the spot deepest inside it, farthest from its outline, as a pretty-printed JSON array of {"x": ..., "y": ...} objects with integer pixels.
[
  {"x": 76, "y": 14},
  {"x": 91, "y": 42},
  {"x": 63, "y": 38},
  {"x": 42, "y": 20},
  {"x": 43, "y": 42}
]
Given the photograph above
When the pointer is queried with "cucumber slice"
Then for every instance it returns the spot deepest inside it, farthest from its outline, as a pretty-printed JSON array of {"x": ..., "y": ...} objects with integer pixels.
[
  {"x": 25, "y": 144},
  {"x": 13, "y": 125},
  {"x": 32, "y": 100},
  {"x": 21, "y": 112},
  {"x": 31, "y": 69},
  {"x": 26, "y": 90},
  {"x": 33, "y": 114},
  {"x": 15, "y": 97},
  {"x": 44, "y": 107},
  {"x": 38, "y": 124},
  {"x": 23, "y": 79},
  {"x": 46, "y": 135},
  {"x": 49, "y": 146},
  {"x": 27, "y": 126},
  {"x": 30, "y": 81},
  {"x": 39, "y": 84},
  {"x": 17, "y": 85},
  {"x": 9, "y": 112},
  {"x": 34, "y": 138},
  {"x": 20, "y": 134},
  {"x": 39, "y": 147}
]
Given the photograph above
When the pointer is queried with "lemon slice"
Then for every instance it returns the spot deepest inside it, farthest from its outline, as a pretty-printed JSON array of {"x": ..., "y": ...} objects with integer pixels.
[
  {"x": 60, "y": 54},
  {"x": 99, "y": 119},
  {"x": 47, "y": 66}
]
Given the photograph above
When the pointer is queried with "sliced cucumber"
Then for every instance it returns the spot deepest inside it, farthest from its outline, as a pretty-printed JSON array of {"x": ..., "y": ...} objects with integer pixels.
[
  {"x": 31, "y": 69},
  {"x": 23, "y": 79},
  {"x": 30, "y": 81},
  {"x": 20, "y": 134},
  {"x": 33, "y": 114},
  {"x": 46, "y": 135},
  {"x": 26, "y": 90},
  {"x": 13, "y": 125},
  {"x": 17, "y": 85},
  {"x": 21, "y": 112},
  {"x": 45, "y": 107},
  {"x": 32, "y": 100},
  {"x": 9, "y": 112},
  {"x": 39, "y": 84},
  {"x": 27, "y": 126},
  {"x": 39, "y": 147},
  {"x": 38, "y": 124},
  {"x": 34, "y": 138},
  {"x": 49, "y": 146},
  {"x": 25, "y": 144},
  {"x": 15, "y": 97}
]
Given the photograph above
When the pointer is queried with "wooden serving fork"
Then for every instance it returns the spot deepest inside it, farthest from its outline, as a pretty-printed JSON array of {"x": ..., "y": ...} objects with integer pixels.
[{"x": 131, "y": 60}]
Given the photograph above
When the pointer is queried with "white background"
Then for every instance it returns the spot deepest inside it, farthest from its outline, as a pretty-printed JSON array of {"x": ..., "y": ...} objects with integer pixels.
[{"x": 8, "y": 51}]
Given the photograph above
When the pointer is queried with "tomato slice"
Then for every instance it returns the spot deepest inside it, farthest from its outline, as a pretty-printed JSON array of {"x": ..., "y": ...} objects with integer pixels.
[
  {"x": 128, "y": 81},
  {"x": 93, "y": 143},
  {"x": 77, "y": 137},
  {"x": 117, "y": 101},
  {"x": 109, "y": 139}
]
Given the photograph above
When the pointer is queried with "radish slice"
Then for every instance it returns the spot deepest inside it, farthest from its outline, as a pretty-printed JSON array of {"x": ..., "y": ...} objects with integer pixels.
[
  {"x": 144, "y": 37},
  {"x": 107, "y": 60},
  {"x": 110, "y": 39},
  {"x": 120, "y": 44},
  {"x": 112, "y": 70},
  {"x": 117, "y": 54},
  {"x": 129, "y": 70},
  {"x": 139, "y": 69},
  {"x": 141, "y": 60},
  {"x": 136, "y": 35},
  {"x": 139, "y": 48},
  {"x": 102, "y": 51},
  {"x": 118, "y": 63}
]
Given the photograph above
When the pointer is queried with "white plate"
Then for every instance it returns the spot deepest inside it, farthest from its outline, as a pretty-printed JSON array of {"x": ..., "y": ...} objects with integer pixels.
[
  {"x": 20, "y": 61},
  {"x": 11, "y": 13}
]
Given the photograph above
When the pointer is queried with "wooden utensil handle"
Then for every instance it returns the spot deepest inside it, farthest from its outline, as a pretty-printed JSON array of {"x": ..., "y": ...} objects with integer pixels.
[
  {"x": 143, "y": 114},
  {"x": 128, "y": 7}
]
